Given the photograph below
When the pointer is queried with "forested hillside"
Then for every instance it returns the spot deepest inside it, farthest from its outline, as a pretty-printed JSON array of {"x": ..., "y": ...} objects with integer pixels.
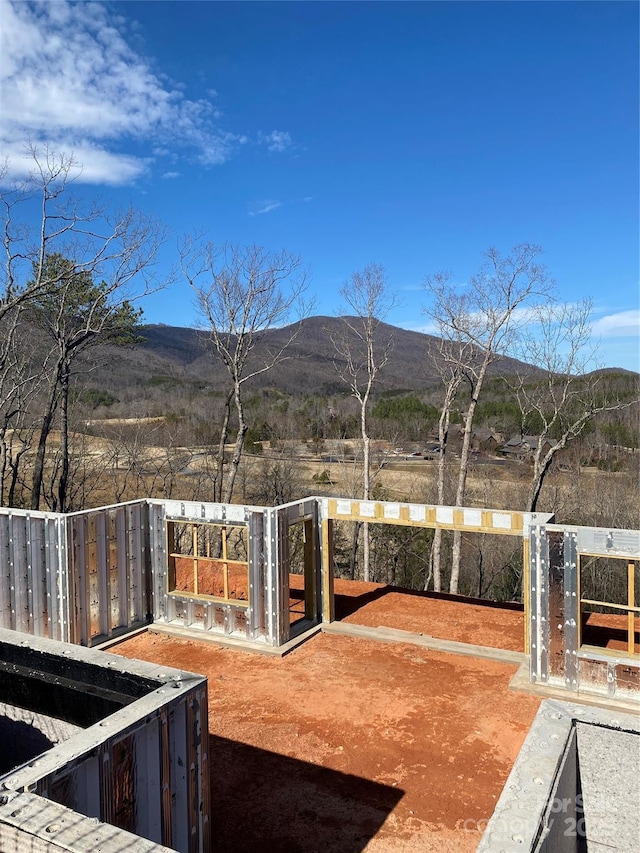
[{"x": 178, "y": 356}]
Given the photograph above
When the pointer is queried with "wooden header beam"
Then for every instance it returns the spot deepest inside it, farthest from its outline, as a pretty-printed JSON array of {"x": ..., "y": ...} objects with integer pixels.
[{"x": 465, "y": 519}]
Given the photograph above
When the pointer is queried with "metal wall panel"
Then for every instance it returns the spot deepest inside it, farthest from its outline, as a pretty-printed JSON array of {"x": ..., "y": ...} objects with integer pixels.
[
  {"x": 33, "y": 573},
  {"x": 571, "y": 610},
  {"x": 538, "y": 559},
  {"x": 256, "y": 615},
  {"x": 554, "y": 592},
  {"x": 243, "y": 620},
  {"x": 109, "y": 571},
  {"x": 607, "y": 542},
  {"x": 144, "y": 767}
]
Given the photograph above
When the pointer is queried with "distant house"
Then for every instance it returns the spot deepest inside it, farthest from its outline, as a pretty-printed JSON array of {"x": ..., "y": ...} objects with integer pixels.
[
  {"x": 486, "y": 440},
  {"x": 523, "y": 447}
]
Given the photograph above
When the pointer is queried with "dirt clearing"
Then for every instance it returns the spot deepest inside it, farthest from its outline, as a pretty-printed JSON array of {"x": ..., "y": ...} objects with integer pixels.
[
  {"x": 348, "y": 745},
  {"x": 447, "y": 617}
]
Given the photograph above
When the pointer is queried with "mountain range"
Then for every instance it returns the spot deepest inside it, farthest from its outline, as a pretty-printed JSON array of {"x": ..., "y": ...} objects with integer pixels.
[{"x": 176, "y": 355}]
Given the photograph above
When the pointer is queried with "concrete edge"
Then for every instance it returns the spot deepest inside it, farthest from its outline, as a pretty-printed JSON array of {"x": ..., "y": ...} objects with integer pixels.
[
  {"x": 121, "y": 638},
  {"x": 518, "y": 818},
  {"x": 522, "y": 684},
  {"x": 395, "y": 635},
  {"x": 235, "y": 642},
  {"x": 30, "y": 822}
]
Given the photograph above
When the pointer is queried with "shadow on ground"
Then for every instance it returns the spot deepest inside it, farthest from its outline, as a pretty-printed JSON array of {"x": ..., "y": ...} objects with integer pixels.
[
  {"x": 606, "y": 636},
  {"x": 263, "y": 801},
  {"x": 346, "y": 605}
]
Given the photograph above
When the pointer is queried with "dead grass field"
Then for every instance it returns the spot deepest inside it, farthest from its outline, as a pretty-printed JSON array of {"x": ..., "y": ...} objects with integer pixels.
[{"x": 115, "y": 473}]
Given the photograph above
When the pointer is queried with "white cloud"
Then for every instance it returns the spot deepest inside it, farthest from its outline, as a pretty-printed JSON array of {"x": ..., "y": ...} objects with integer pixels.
[
  {"x": 620, "y": 325},
  {"x": 259, "y": 207},
  {"x": 277, "y": 140},
  {"x": 171, "y": 175},
  {"x": 69, "y": 80}
]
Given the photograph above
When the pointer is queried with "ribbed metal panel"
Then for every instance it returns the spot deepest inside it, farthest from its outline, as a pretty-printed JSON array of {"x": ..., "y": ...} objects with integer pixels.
[
  {"x": 33, "y": 573},
  {"x": 608, "y": 543},
  {"x": 142, "y": 767}
]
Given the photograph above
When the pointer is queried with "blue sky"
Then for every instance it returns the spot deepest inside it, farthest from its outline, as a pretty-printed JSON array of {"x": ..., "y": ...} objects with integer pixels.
[{"x": 414, "y": 135}]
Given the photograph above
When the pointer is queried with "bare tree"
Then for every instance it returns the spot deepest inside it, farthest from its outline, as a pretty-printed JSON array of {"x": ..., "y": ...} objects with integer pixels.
[
  {"x": 480, "y": 320},
  {"x": 116, "y": 249},
  {"x": 448, "y": 362},
  {"x": 242, "y": 292},
  {"x": 21, "y": 378},
  {"x": 566, "y": 395},
  {"x": 364, "y": 350}
]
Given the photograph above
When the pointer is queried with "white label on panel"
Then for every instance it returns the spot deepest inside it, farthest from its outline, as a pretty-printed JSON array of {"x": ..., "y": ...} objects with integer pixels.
[
  {"x": 235, "y": 512},
  {"x": 417, "y": 513},
  {"x": 472, "y": 517},
  {"x": 392, "y": 510},
  {"x": 368, "y": 509},
  {"x": 444, "y": 514},
  {"x": 501, "y": 520},
  {"x": 343, "y": 507}
]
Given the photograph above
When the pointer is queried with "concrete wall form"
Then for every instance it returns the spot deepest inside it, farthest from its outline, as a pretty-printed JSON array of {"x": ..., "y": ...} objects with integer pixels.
[
  {"x": 142, "y": 767},
  {"x": 108, "y": 572},
  {"x": 573, "y": 786},
  {"x": 266, "y": 618},
  {"x": 306, "y": 513},
  {"x": 31, "y": 824},
  {"x": 256, "y": 622},
  {"x": 556, "y": 657}
]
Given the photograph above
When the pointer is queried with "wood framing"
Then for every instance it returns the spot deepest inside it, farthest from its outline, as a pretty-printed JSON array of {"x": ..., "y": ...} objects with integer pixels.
[
  {"x": 464, "y": 519},
  {"x": 628, "y": 608}
]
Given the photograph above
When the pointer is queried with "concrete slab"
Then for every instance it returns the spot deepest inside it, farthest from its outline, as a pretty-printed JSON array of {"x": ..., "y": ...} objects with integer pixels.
[
  {"x": 609, "y": 772},
  {"x": 541, "y": 806}
]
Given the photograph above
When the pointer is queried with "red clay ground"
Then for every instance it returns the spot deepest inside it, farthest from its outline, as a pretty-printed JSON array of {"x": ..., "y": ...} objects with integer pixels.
[
  {"x": 348, "y": 745},
  {"x": 448, "y": 617},
  {"x": 451, "y": 617},
  {"x": 211, "y": 577},
  {"x": 608, "y": 631}
]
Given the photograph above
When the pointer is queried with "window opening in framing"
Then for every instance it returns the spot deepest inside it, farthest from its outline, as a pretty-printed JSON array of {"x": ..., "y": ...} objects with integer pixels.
[
  {"x": 302, "y": 570},
  {"x": 208, "y": 560},
  {"x": 610, "y": 603},
  {"x": 296, "y": 555}
]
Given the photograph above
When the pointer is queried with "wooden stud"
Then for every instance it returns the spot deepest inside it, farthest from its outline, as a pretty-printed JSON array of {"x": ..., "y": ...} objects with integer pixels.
[
  {"x": 225, "y": 564},
  {"x": 328, "y": 599},
  {"x": 631, "y": 568}
]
